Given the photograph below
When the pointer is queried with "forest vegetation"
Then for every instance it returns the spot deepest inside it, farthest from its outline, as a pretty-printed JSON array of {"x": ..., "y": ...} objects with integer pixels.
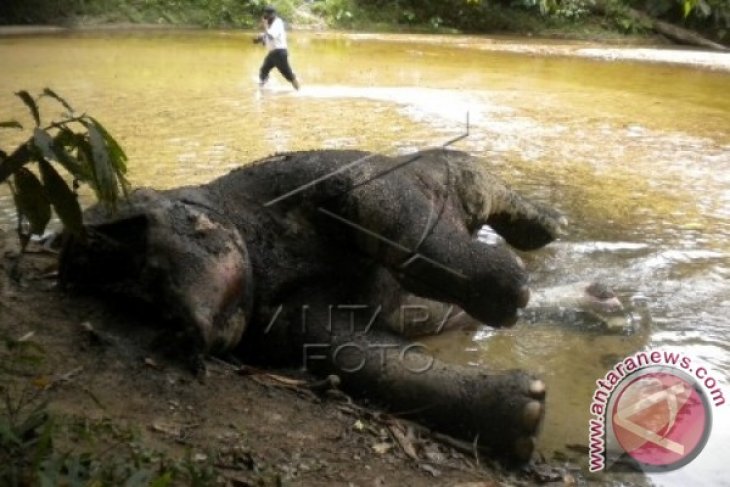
[{"x": 708, "y": 19}]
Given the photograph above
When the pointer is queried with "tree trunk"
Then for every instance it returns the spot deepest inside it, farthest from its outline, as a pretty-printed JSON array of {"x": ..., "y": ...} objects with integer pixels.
[{"x": 673, "y": 32}]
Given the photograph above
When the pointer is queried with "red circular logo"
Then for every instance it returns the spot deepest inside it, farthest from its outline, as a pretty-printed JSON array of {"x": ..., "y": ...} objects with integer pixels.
[{"x": 661, "y": 419}]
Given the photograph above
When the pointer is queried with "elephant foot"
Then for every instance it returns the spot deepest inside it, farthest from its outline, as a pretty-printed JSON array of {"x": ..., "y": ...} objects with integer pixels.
[
  {"x": 500, "y": 412},
  {"x": 516, "y": 408}
]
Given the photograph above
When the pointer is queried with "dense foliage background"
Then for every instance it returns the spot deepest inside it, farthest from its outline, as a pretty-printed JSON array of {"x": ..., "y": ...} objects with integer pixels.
[{"x": 709, "y": 17}]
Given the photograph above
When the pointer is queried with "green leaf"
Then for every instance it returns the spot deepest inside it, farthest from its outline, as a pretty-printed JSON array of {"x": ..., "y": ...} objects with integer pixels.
[
  {"x": 48, "y": 478},
  {"x": 163, "y": 480},
  {"x": 140, "y": 478},
  {"x": 48, "y": 472},
  {"x": 101, "y": 162},
  {"x": 86, "y": 158},
  {"x": 63, "y": 142},
  {"x": 45, "y": 442},
  {"x": 10, "y": 124},
  {"x": 7, "y": 435},
  {"x": 35, "y": 420},
  {"x": 705, "y": 8},
  {"x": 119, "y": 157},
  {"x": 55, "y": 96},
  {"x": 44, "y": 143},
  {"x": 31, "y": 200},
  {"x": 76, "y": 471},
  {"x": 15, "y": 161},
  {"x": 62, "y": 198},
  {"x": 53, "y": 150},
  {"x": 31, "y": 104}
]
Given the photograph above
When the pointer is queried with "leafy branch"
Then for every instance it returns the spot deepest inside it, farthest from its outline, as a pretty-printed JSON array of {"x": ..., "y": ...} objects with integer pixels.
[{"x": 77, "y": 143}]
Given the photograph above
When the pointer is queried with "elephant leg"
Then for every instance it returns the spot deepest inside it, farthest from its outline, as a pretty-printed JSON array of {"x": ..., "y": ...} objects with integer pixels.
[
  {"x": 419, "y": 220},
  {"x": 408, "y": 315},
  {"x": 432, "y": 253},
  {"x": 500, "y": 411}
]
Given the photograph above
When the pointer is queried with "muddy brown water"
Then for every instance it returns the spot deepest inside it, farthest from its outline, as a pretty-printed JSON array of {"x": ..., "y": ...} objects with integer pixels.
[{"x": 636, "y": 155}]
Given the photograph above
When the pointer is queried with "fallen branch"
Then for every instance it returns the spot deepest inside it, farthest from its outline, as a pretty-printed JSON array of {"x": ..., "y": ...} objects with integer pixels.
[
  {"x": 402, "y": 438},
  {"x": 318, "y": 386},
  {"x": 47, "y": 384},
  {"x": 673, "y": 32}
]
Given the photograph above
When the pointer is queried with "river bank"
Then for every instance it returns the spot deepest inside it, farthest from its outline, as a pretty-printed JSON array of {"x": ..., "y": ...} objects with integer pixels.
[
  {"x": 627, "y": 49},
  {"x": 639, "y": 49},
  {"x": 605, "y": 21}
]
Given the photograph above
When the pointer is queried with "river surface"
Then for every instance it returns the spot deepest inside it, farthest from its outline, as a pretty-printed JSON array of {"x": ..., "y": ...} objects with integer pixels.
[{"x": 636, "y": 155}]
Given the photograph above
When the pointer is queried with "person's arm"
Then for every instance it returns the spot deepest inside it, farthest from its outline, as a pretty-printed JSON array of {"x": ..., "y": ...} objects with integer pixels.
[{"x": 263, "y": 37}]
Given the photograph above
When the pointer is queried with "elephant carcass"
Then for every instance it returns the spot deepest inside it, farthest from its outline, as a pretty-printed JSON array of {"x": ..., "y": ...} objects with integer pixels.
[{"x": 297, "y": 255}]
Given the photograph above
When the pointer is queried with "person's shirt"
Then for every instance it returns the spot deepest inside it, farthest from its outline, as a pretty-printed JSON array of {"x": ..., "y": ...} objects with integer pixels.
[{"x": 276, "y": 35}]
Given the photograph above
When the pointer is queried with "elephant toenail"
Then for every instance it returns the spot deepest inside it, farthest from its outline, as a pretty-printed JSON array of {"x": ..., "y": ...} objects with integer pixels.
[
  {"x": 524, "y": 448},
  {"x": 524, "y": 297},
  {"x": 537, "y": 389},
  {"x": 520, "y": 262},
  {"x": 532, "y": 415}
]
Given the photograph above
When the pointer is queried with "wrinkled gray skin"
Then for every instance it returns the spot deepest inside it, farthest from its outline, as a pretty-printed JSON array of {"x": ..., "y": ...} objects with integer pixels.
[{"x": 276, "y": 278}]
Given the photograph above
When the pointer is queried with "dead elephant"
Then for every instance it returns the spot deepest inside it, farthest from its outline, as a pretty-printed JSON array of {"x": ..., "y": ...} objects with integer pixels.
[{"x": 295, "y": 256}]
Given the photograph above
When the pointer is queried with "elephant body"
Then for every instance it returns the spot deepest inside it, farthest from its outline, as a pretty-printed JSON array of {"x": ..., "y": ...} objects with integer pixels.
[{"x": 306, "y": 256}]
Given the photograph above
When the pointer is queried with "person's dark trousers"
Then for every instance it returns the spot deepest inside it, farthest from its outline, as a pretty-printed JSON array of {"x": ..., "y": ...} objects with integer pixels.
[{"x": 279, "y": 59}]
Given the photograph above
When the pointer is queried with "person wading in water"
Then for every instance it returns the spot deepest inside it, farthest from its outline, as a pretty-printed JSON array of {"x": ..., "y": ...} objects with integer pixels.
[{"x": 274, "y": 37}]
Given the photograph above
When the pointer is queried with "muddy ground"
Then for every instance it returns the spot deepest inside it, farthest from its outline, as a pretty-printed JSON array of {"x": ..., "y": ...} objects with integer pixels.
[{"x": 118, "y": 396}]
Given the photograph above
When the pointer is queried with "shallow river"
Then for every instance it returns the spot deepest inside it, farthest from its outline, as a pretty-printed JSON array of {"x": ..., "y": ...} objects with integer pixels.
[{"x": 636, "y": 155}]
